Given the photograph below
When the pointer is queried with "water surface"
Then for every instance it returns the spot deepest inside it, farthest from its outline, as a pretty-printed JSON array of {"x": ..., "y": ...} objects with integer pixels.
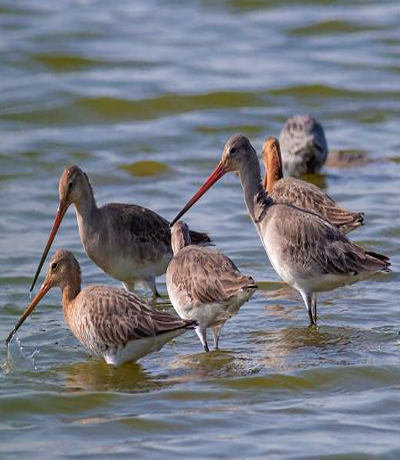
[{"x": 143, "y": 95}]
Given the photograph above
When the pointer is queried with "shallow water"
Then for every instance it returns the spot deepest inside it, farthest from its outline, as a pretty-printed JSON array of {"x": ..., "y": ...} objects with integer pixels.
[{"x": 143, "y": 95}]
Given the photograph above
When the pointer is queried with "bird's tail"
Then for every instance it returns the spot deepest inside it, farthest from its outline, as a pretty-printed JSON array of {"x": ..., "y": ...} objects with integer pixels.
[
  {"x": 251, "y": 284},
  {"x": 345, "y": 220},
  {"x": 190, "y": 324},
  {"x": 357, "y": 220},
  {"x": 199, "y": 238},
  {"x": 383, "y": 260}
]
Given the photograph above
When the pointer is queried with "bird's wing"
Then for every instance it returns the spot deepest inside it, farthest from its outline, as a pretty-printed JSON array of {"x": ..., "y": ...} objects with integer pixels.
[
  {"x": 206, "y": 275},
  {"x": 115, "y": 316},
  {"x": 311, "y": 198},
  {"x": 143, "y": 224},
  {"x": 317, "y": 246}
]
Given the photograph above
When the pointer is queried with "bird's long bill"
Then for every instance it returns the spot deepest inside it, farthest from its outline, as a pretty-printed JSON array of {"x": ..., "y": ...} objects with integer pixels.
[
  {"x": 215, "y": 176},
  {"x": 62, "y": 209},
  {"x": 38, "y": 297}
]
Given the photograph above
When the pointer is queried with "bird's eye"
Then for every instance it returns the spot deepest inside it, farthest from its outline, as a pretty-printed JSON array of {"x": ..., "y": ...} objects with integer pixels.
[
  {"x": 70, "y": 185},
  {"x": 54, "y": 266},
  {"x": 232, "y": 151}
]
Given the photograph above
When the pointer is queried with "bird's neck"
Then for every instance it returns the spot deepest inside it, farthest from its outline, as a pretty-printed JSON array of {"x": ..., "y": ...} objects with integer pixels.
[
  {"x": 87, "y": 212},
  {"x": 274, "y": 169},
  {"x": 179, "y": 241},
  {"x": 69, "y": 293},
  {"x": 254, "y": 193},
  {"x": 86, "y": 205}
]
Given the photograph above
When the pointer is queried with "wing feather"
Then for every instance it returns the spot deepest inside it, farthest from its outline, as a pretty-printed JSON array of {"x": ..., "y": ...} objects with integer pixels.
[
  {"x": 311, "y": 198},
  {"x": 206, "y": 276},
  {"x": 115, "y": 316},
  {"x": 316, "y": 246},
  {"x": 143, "y": 228}
]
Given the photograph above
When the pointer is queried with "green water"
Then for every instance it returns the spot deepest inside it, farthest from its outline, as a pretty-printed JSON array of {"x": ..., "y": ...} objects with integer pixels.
[{"x": 143, "y": 95}]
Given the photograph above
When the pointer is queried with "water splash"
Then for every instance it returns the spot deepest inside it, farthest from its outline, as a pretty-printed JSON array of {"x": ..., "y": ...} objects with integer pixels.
[{"x": 18, "y": 359}]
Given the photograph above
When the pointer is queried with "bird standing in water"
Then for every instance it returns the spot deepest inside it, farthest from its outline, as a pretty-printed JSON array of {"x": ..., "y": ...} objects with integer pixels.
[
  {"x": 113, "y": 323},
  {"x": 204, "y": 285},
  {"x": 128, "y": 242},
  {"x": 306, "y": 251}
]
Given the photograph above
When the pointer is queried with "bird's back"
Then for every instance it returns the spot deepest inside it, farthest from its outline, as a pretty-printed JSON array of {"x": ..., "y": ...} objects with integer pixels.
[
  {"x": 203, "y": 275},
  {"x": 302, "y": 246},
  {"x": 308, "y": 196},
  {"x": 105, "y": 318},
  {"x": 303, "y": 144},
  {"x": 130, "y": 242}
]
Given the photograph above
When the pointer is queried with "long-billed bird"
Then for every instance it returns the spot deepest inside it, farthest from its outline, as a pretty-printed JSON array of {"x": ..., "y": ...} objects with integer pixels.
[
  {"x": 306, "y": 251},
  {"x": 128, "y": 242},
  {"x": 112, "y": 323},
  {"x": 204, "y": 285}
]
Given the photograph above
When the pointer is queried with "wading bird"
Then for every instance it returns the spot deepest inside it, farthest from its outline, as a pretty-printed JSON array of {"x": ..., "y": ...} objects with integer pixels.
[
  {"x": 113, "y": 323},
  {"x": 204, "y": 285},
  {"x": 306, "y": 251},
  {"x": 129, "y": 242}
]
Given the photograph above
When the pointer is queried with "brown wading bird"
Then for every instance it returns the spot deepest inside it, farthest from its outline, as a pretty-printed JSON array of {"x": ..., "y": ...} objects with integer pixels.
[
  {"x": 305, "y": 250},
  {"x": 130, "y": 243},
  {"x": 113, "y": 323},
  {"x": 204, "y": 285},
  {"x": 302, "y": 194},
  {"x": 304, "y": 145}
]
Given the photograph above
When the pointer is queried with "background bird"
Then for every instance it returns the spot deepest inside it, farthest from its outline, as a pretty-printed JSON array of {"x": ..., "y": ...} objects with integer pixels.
[{"x": 304, "y": 146}]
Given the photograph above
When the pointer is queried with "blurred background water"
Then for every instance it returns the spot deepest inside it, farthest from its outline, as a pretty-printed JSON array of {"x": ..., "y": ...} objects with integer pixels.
[{"x": 110, "y": 85}]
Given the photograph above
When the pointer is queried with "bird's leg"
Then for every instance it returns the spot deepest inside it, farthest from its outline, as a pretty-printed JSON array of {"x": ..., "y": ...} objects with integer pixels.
[
  {"x": 314, "y": 306},
  {"x": 216, "y": 330},
  {"x": 129, "y": 286},
  {"x": 201, "y": 332},
  {"x": 307, "y": 297},
  {"x": 157, "y": 296},
  {"x": 151, "y": 283}
]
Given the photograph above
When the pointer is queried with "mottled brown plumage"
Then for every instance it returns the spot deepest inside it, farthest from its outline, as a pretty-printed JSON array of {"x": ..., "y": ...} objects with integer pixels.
[
  {"x": 204, "y": 285},
  {"x": 113, "y": 323},
  {"x": 302, "y": 194},
  {"x": 314, "y": 247},
  {"x": 307, "y": 252},
  {"x": 129, "y": 242}
]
